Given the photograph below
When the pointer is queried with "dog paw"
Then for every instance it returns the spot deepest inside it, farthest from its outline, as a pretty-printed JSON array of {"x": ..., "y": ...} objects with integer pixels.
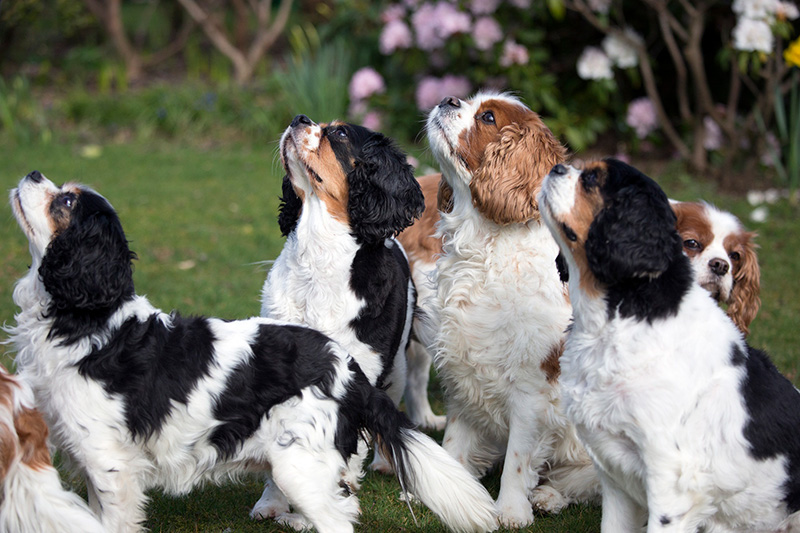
[
  {"x": 434, "y": 422},
  {"x": 515, "y": 514},
  {"x": 294, "y": 521},
  {"x": 380, "y": 464},
  {"x": 266, "y": 508},
  {"x": 547, "y": 499}
]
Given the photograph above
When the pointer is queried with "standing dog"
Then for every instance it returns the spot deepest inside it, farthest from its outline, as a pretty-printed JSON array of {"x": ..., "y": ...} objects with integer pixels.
[
  {"x": 689, "y": 427},
  {"x": 139, "y": 398},
  {"x": 501, "y": 308}
]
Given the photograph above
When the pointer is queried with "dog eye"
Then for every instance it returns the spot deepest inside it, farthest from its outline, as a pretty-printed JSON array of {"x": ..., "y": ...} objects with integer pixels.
[
  {"x": 589, "y": 178},
  {"x": 487, "y": 117},
  {"x": 691, "y": 244},
  {"x": 735, "y": 256},
  {"x": 67, "y": 200},
  {"x": 340, "y": 132}
]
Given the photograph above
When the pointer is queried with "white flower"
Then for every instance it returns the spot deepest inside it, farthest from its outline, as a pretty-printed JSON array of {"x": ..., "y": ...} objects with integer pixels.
[
  {"x": 594, "y": 64},
  {"x": 759, "y": 214},
  {"x": 755, "y": 9},
  {"x": 787, "y": 10},
  {"x": 620, "y": 51},
  {"x": 751, "y": 35},
  {"x": 755, "y": 197},
  {"x": 772, "y": 195},
  {"x": 712, "y": 134}
]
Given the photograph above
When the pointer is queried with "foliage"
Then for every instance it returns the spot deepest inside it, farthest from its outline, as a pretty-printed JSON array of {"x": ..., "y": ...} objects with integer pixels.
[{"x": 21, "y": 117}]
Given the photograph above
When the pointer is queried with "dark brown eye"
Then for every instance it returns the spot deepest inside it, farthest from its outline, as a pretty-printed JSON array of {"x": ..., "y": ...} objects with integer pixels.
[
  {"x": 691, "y": 244},
  {"x": 487, "y": 117},
  {"x": 340, "y": 132},
  {"x": 67, "y": 200},
  {"x": 735, "y": 257},
  {"x": 589, "y": 178}
]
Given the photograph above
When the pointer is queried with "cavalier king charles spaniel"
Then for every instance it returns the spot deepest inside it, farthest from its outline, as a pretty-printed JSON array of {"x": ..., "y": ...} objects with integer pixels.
[
  {"x": 138, "y": 398},
  {"x": 724, "y": 258},
  {"x": 500, "y": 307},
  {"x": 31, "y": 496},
  {"x": 689, "y": 427},
  {"x": 346, "y": 194}
]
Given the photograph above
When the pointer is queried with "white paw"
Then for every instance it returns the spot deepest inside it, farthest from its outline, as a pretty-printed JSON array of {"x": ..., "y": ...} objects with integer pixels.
[
  {"x": 434, "y": 422},
  {"x": 515, "y": 512},
  {"x": 379, "y": 464},
  {"x": 268, "y": 508},
  {"x": 547, "y": 499},
  {"x": 294, "y": 521}
]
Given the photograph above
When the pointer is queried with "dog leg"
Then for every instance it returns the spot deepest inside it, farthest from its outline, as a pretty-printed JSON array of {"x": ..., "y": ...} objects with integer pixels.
[
  {"x": 272, "y": 502},
  {"x": 621, "y": 514},
  {"x": 418, "y": 406},
  {"x": 465, "y": 444},
  {"x": 116, "y": 496}
]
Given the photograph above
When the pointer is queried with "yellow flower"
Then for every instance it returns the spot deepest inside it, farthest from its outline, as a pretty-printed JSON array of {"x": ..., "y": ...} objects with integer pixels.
[{"x": 792, "y": 54}]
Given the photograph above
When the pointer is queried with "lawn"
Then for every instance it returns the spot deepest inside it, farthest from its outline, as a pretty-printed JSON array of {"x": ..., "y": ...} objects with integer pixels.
[{"x": 203, "y": 223}]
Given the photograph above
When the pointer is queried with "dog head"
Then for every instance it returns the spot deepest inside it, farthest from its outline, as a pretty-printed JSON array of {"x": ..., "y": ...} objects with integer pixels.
[
  {"x": 495, "y": 151},
  {"x": 723, "y": 256},
  {"x": 77, "y": 244},
  {"x": 363, "y": 179}
]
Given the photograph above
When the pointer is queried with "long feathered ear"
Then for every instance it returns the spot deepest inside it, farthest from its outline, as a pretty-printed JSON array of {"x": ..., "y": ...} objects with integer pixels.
[
  {"x": 634, "y": 236},
  {"x": 744, "y": 301},
  {"x": 444, "y": 198},
  {"x": 290, "y": 207},
  {"x": 384, "y": 197},
  {"x": 87, "y": 267},
  {"x": 505, "y": 186}
]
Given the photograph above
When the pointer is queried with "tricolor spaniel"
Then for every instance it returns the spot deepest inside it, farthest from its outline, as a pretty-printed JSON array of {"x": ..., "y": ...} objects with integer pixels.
[
  {"x": 31, "y": 496},
  {"x": 724, "y": 258},
  {"x": 501, "y": 308},
  {"x": 138, "y": 398},
  {"x": 346, "y": 193},
  {"x": 689, "y": 428}
]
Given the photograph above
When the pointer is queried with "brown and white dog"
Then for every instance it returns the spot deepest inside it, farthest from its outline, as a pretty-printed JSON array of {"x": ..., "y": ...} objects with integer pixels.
[
  {"x": 723, "y": 256},
  {"x": 500, "y": 308},
  {"x": 32, "y": 498}
]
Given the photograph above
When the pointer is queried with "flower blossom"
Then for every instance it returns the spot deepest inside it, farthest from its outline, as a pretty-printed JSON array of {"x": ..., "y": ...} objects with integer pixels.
[
  {"x": 755, "y": 9},
  {"x": 392, "y": 13},
  {"x": 513, "y": 54},
  {"x": 712, "y": 134},
  {"x": 787, "y": 11},
  {"x": 372, "y": 120},
  {"x": 486, "y": 32},
  {"x": 619, "y": 51},
  {"x": 451, "y": 20},
  {"x": 364, "y": 83},
  {"x": 395, "y": 35},
  {"x": 484, "y": 7},
  {"x": 751, "y": 35},
  {"x": 431, "y": 90},
  {"x": 594, "y": 64},
  {"x": 792, "y": 54},
  {"x": 642, "y": 117},
  {"x": 433, "y": 24}
]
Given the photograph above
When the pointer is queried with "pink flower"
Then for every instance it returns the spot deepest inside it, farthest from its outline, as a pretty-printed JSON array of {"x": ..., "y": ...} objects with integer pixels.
[
  {"x": 372, "y": 120},
  {"x": 364, "y": 83},
  {"x": 431, "y": 90},
  {"x": 425, "y": 27},
  {"x": 642, "y": 117},
  {"x": 513, "y": 54},
  {"x": 455, "y": 86},
  {"x": 712, "y": 134},
  {"x": 451, "y": 20},
  {"x": 395, "y": 35},
  {"x": 392, "y": 13},
  {"x": 486, "y": 33},
  {"x": 484, "y": 7}
]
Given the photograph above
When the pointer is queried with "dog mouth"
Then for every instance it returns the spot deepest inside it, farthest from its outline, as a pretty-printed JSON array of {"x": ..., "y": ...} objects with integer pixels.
[
  {"x": 292, "y": 158},
  {"x": 19, "y": 212}
]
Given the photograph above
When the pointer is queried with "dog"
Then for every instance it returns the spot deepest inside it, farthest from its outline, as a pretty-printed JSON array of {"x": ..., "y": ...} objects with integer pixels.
[
  {"x": 500, "y": 309},
  {"x": 724, "y": 258},
  {"x": 347, "y": 192},
  {"x": 32, "y": 497},
  {"x": 689, "y": 427},
  {"x": 138, "y": 398}
]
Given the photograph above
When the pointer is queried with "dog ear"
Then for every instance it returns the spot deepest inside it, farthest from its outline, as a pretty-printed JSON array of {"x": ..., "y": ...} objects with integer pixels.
[
  {"x": 88, "y": 266},
  {"x": 384, "y": 197},
  {"x": 634, "y": 235},
  {"x": 505, "y": 185},
  {"x": 444, "y": 198},
  {"x": 744, "y": 300},
  {"x": 290, "y": 207}
]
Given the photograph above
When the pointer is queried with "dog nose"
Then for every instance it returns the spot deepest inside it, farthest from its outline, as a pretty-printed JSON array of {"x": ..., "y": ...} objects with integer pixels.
[
  {"x": 558, "y": 170},
  {"x": 718, "y": 266},
  {"x": 450, "y": 101},
  {"x": 301, "y": 119},
  {"x": 35, "y": 176}
]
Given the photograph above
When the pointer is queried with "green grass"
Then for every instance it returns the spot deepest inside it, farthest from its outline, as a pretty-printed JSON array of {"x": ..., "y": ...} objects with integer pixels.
[{"x": 202, "y": 221}]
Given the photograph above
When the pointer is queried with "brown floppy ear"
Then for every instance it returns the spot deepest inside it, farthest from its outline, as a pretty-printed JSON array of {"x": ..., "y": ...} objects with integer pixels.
[
  {"x": 444, "y": 199},
  {"x": 505, "y": 186},
  {"x": 744, "y": 300}
]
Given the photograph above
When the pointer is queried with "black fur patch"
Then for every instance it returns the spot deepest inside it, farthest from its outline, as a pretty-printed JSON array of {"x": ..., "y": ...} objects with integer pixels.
[
  {"x": 152, "y": 365},
  {"x": 290, "y": 207},
  {"x": 773, "y": 406},
  {"x": 380, "y": 276},
  {"x": 286, "y": 359}
]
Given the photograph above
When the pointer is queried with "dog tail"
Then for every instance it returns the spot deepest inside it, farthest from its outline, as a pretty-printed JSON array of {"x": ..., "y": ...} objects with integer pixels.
[
  {"x": 425, "y": 469},
  {"x": 32, "y": 498}
]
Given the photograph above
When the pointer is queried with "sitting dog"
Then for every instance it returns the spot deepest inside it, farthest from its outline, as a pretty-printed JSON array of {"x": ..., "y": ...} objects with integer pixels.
[
  {"x": 346, "y": 193},
  {"x": 138, "y": 398},
  {"x": 689, "y": 428},
  {"x": 32, "y": 498},
  {"x": 500, "y": 309},
  {"x": 724, "y": 258}
]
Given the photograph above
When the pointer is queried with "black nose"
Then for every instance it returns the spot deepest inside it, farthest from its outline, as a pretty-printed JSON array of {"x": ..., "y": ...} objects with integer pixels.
[
  {"x": 450, "y": 101},
  {"x": 35, "y": 176},
  {"x": 718, "y": 266},
  {"x": 558, "y": 170},
  {"x": 301, "y": 119}
]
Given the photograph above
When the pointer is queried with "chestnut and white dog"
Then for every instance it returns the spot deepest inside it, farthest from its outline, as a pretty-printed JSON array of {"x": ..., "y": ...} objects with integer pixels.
[
  {"x": 689, "y": 427},
  {"x": 32, "y": 498},
  {"x": 724, "y": 258},
  {"x": 347, "y": 192},
  {"x": 138, "y": 398},
  {"x": 500, "y": 307}
]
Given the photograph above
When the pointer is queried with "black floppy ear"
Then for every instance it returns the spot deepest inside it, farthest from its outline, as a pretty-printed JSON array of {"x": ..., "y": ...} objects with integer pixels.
[
  {"x": 290, "y": 207},
  {"x": 634, "y": 236},
  {"x": 87, "y": 267},
  {"x": 385, "y": 198}
]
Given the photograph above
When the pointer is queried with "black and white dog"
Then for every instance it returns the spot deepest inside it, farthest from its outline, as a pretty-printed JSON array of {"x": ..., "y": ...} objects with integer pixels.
[
  {"x": 139, "y": 398},
  {"x": 689, "y": 428}
]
